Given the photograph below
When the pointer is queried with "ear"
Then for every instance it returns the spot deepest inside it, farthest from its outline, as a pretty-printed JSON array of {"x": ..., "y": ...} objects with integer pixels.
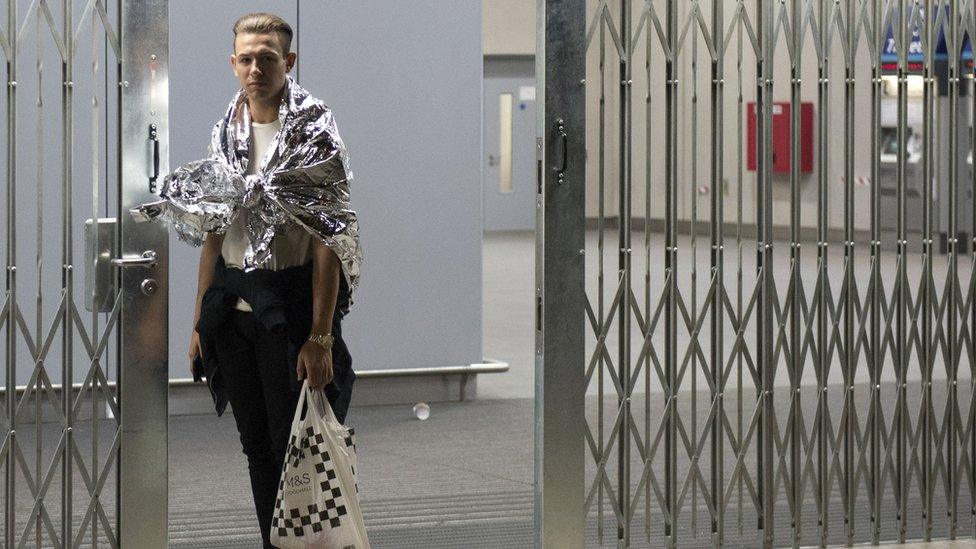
[
  {"x": 233, "y": 62},
  {"x": 290, "y": 60}
]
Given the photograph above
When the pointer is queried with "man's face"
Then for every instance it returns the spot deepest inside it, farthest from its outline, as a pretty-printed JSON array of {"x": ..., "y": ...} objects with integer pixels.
[{"x": 260, "y": 65}]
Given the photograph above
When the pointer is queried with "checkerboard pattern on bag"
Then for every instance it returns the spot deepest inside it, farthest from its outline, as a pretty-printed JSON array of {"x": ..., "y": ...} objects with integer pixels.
[
  {"x": 351, "y": 444},
  {"x": 296, "y": 450},
  {"x": 294, "y": 522}
]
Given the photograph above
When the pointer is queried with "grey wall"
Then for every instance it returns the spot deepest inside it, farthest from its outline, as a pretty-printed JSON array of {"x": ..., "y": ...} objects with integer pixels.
[
  {"x": 404, "y": 81},
  {"x": 508, "y": 27}
]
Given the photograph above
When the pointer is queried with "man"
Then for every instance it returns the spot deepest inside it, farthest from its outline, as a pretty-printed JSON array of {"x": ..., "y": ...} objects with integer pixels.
[{"x": 275, "y": 277}]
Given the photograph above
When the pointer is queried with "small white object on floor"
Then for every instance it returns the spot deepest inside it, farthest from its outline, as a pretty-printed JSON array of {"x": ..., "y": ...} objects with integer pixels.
[{"x": 421, "y": 410}]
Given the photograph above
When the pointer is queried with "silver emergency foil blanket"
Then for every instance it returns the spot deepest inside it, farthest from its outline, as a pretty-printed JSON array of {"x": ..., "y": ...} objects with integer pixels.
[{"x": 305, "y": 180}]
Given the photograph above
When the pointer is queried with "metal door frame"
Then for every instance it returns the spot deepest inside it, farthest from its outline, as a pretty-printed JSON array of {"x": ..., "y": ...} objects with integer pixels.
[
  {"x": 144, "y": 334},
  {"x": 559, "y": 383}
]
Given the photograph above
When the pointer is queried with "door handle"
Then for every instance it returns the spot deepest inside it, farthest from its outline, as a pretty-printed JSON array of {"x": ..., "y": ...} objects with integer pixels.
[
  {"x": 154, "y": 137},
  {"x": 560, "y": 167},
  {"x": 148, "y": 259}
]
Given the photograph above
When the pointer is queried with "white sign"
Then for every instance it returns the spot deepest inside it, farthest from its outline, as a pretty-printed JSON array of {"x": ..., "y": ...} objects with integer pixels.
[{"x": 526, "y": 93}]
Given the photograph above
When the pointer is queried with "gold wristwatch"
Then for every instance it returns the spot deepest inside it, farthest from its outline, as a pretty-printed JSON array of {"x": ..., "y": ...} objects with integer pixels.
[{"x": 325, "y": 340}]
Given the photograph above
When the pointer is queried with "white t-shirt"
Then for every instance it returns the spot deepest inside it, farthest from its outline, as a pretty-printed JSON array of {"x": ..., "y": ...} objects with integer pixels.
[{"x": 289, "y": 248}]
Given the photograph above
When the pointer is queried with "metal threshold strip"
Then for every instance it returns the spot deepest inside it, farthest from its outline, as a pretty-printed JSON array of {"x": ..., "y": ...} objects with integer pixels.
[{"x": 489, "y": 366}]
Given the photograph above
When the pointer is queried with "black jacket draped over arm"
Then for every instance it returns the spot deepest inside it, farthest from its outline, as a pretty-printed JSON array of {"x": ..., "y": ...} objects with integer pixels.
[{"x": 282, "y": 303}]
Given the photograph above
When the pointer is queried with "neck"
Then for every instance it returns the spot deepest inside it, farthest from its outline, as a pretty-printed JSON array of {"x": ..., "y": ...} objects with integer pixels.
[{"x": 266, "y": 111}]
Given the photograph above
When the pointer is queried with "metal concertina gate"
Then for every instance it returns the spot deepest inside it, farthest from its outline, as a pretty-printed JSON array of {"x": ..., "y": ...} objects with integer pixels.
[
  {"x": 87, "y": 466},
  {"x": 744, "y": 357}
]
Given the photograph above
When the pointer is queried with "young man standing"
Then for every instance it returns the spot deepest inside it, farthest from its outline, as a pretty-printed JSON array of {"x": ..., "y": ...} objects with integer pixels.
[{"x": 275, "y": 278}]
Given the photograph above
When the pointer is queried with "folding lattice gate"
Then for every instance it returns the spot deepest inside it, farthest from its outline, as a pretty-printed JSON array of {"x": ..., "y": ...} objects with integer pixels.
[
  {"x": 85, "y": 111},
  {"x": 755, "y": 272}
]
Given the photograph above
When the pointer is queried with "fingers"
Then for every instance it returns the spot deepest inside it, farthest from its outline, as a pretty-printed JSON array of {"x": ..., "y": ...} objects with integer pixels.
[
  {"x": 315, "y": 378},
  {"x": 317, "y": 368},
  {"x": 192, "y": 355},
  {"x": 318, "y": 378},
  {"x": 327, "y": 374},
  {"x": 322, "y": 375}
]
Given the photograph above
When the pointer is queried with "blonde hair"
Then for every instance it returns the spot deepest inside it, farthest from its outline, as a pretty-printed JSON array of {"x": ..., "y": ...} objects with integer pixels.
[{"x": 265, "y": 23}]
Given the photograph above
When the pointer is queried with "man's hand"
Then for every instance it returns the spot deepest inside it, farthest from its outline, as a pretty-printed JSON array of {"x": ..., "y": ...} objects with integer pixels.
[
  {"x": 194, "y": 351},
  {"x": 315, "y": 361}
]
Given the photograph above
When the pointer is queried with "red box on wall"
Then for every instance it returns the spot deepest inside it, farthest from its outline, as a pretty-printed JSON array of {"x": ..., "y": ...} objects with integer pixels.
[{"x": 781, "y": 137}]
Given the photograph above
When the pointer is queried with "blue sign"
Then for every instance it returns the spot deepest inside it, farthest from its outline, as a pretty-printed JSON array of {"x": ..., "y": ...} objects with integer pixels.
[{"x": 916, "y": 56}]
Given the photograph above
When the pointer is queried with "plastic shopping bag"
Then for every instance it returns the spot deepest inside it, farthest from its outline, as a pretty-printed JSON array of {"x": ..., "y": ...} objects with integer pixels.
[{"x": 318, "y": 496}]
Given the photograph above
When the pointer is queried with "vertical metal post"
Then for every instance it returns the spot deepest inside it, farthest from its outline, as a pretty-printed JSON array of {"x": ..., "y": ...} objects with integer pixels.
[
  {"x": 648, "y": 197},
  {"x": 876, "y": 341},
  {"x": 670, "y": 270},
  {"x": 796, "y": 281},
  {"x": 901, "y": 278},
  {"x": 624, "y": 266},
  {"x": 850, "y": 285},
  {"x": 925, "y": 351},
  {"x": 144, "y": 374},
  {"x": 718, "y": 274},
  {"x": 559, "y": 382},
  {"x": 11, "y": 280},
  {"x": 601, "y": 436},
  {"x": 692, "y": 190},
  {"x": 739, "y": 273},
  {"x": 117, "y": 251},
  {"x": 953, "y": 40},
  {"x": 972, "y": 274},
  {"x": 67, "y": 270},
  {"x": 601, "y": 244},
  {"x": 824, "y": 449},
  {"x": 764, "y": 263}
]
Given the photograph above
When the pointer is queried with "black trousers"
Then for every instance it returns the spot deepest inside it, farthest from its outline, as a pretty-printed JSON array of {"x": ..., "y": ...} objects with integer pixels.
[{"x": 259, "y": 371}]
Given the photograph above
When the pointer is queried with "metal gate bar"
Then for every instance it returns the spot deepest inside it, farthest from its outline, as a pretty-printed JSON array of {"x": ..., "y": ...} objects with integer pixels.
[{"x": 848, "y": 423}]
